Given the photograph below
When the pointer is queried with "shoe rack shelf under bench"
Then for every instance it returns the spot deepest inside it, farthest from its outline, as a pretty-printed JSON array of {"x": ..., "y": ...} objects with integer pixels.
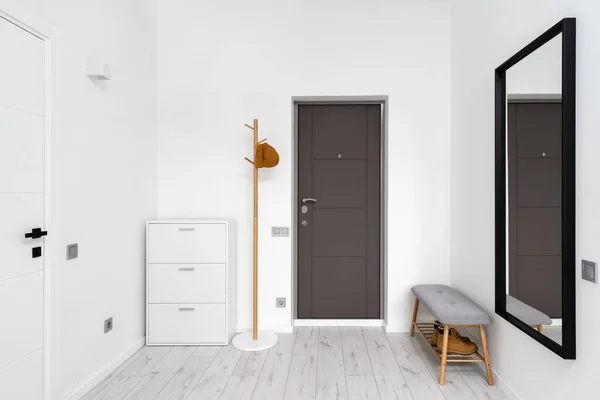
[{"x": 426, "y": 330}]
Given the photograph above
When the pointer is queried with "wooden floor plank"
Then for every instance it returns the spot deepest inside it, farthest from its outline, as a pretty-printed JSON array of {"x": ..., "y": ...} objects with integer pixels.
[
  {"x": 359, "y": 374},
  {"x": 113, "y": 374},
  {"x": 390, "y": 381},
  {"x": 456, "y": 388},
  {"x": 245, "y": 376},
  {"x": 361, "y": 388},
  {"x": 273, "y": 378},
  {"x": 250, "y": 364},
  {"x": 146, "y": 362},
  {"x": 239, "y": 388},
  {"x": 212, "y": 383},
  {"x": 302, "y": 379},
  {"x": 188, "y": 375},
  {"x": 117, "y": 388},
  {"x": 475, "y": 378},
  {"x": 153, "y": 383},
  {"x": 420, "y": 382},
  {"x": 331, "y": 376}
]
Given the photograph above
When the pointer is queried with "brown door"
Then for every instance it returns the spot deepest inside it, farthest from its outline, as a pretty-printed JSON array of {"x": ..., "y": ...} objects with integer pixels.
[
  {"x": 338, "y": 211},
  {"x": 534, "y": 168}
]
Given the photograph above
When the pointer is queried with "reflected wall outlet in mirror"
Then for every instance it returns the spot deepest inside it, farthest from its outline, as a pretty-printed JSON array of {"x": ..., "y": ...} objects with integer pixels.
[{"x": 589, "y": 271}]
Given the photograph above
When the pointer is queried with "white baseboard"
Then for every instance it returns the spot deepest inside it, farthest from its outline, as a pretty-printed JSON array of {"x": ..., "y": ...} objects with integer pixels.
[
  {"x": 395, "y": 329},
  {"x": 274, "y": 329},
  {"x": 338, "y": 322},
  {"x": 104, "y": 371}
]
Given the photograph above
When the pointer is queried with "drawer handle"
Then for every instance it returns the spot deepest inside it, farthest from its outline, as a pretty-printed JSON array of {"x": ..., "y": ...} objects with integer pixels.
[
  {"x": 187, "y": 269},
  {"x": 186, "y": 229},
  {"x": 186, "y": 308}
]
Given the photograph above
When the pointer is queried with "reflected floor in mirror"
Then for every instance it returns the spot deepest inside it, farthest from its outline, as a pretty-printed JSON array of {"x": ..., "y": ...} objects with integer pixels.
[{"x": 535, "y": 318}]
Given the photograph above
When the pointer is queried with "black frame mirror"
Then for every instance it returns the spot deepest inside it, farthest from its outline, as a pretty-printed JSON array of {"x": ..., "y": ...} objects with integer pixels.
[{"x": 566, "y": 350}]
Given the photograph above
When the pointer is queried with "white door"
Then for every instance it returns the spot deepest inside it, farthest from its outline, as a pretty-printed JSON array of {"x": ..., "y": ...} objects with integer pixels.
[{"x": 22, "y": 76}]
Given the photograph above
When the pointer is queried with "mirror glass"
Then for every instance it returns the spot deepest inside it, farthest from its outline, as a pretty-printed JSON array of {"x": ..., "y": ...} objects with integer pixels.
[{"x": 533, "y": 195}]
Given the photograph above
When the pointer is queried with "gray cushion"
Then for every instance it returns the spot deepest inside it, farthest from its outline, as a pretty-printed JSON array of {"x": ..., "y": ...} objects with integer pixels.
[
  {"x": 449, "y": 306},
  {"x": 525, "y": 313}
]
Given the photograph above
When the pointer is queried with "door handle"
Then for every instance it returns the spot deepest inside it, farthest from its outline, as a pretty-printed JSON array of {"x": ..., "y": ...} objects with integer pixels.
[
  {"x": 308, "y": 200},
  {"x": 36, "y": 233}
]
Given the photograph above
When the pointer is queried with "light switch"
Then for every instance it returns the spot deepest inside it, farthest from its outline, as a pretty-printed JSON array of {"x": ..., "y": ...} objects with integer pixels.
[
  {"x": 589, "y": 271},
  {"x": 72, "y": 251},
  {"x": 280, "y": 231}
]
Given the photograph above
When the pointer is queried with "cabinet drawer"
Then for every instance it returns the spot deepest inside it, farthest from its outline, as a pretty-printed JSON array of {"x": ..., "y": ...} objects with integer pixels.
[
  {"x": 186, "y": 283},
  {"x": 186, "y": 324},
  {"x": 187, "y": 243}
]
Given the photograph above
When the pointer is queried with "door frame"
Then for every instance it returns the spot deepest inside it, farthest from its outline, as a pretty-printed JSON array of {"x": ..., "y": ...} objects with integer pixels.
[
  {"x": 47, "y": 174},
  {"x": 382, "y": 100}
]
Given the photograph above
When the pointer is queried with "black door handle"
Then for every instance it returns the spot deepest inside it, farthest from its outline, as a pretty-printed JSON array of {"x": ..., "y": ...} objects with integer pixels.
[{"x": 36, "y": 233}]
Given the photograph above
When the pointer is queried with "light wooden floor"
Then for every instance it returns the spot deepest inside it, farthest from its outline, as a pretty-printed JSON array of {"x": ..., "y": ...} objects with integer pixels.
[{"x": 312, "y": 363}]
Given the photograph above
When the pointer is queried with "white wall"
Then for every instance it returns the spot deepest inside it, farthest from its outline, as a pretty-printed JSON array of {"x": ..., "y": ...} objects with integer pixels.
[
  {"x": 485, "y": 34},
  {"x": 223, "y": 63},
  {"x": 103, "y": 162},
  {"x": 538, "y": 73}
]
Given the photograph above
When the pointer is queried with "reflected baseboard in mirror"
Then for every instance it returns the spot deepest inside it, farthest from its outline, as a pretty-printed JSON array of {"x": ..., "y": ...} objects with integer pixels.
[{"x": 535, "y": 189}]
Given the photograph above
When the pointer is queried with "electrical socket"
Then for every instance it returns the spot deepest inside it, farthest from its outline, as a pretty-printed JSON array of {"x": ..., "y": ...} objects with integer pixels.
[
  {"x": 280, "y": 302},
  {"x": 275, "y": 231},
  {"x": 108, "y": 325}
]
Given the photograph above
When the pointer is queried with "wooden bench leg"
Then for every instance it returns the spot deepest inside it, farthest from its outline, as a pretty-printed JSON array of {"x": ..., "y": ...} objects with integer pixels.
[
  {"x": 444, "y": 355},
  {"x": 540, "y": 329},
  {"x": 486, "y": 356},
  {"x": 414, "y": 318}
]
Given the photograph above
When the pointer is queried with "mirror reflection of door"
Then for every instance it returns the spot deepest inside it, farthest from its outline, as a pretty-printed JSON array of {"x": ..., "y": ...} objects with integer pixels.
[
  {"x": 534, "y": 168},
  {"x": 534, "y": 189}
]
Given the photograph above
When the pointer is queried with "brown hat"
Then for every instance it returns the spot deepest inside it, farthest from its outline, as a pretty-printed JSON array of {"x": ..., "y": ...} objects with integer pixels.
[{"x": 266, "y": 156}]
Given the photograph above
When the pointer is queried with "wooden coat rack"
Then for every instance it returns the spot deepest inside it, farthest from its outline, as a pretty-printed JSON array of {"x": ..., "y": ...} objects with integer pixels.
[{"x": 259, "y": 340}]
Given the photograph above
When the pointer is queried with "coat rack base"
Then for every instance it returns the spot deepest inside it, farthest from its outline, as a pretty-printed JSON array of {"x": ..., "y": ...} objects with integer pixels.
[{"x": 244, "y": 341}]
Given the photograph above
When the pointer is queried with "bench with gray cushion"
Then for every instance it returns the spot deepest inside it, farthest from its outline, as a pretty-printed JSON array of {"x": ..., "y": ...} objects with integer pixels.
[
  {"x": 449, "y": 306},
  {"x": 451, "y": 309}
]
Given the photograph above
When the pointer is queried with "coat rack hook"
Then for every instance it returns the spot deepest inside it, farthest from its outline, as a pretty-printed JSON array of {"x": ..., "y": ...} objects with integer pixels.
[
  {"x": 250, "y": 161},
  {"x": 248, "y": 126},
  {"x": 262, "y": 141}
]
